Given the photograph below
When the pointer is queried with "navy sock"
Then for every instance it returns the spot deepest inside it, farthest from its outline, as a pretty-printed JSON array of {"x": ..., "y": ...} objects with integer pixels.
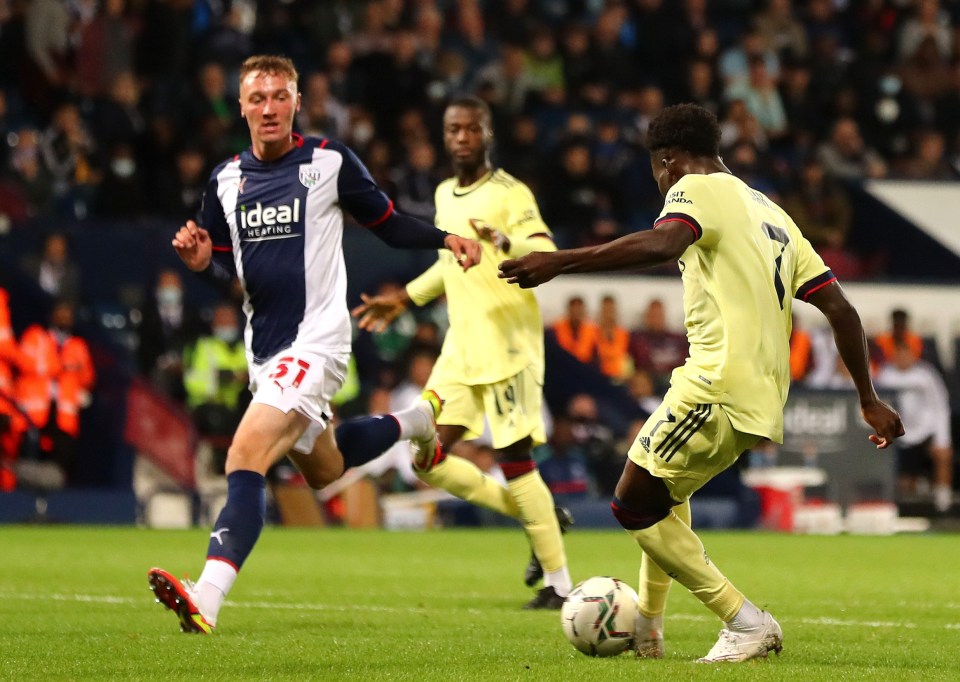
[
  {"x": 241, "y": 520},
  {"x": 364, "y": 438}
]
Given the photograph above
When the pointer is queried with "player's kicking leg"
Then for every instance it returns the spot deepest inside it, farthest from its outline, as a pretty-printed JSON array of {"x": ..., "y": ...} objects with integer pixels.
[
  {"x": 643, "y": 506},
  {"x": 665, "y": 465}
]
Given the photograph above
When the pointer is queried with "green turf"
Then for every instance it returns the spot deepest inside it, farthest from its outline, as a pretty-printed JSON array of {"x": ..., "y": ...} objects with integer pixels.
[{"x": 444, "y": 605}]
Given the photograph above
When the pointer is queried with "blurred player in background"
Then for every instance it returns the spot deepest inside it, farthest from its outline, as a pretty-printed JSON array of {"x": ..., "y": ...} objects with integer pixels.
[
  {"x": 492, "y": 361},
  {"x": 742, "y": 260},
  {"x": 924, "y": 402},
  {"x": 274, "y": 212}
]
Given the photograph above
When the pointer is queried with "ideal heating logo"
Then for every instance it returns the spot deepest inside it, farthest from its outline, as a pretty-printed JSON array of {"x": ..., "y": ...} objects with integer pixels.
[
  {"x": 269, "y": 222},
  {"x": 826, "y": 419}
]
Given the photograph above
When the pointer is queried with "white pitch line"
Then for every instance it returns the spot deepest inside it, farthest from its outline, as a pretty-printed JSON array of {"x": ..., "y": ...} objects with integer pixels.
[{"x": 286, "y": 606}]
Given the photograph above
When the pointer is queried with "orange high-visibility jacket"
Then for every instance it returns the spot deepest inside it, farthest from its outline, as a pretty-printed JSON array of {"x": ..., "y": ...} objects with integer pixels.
[
  {"x": 801, "y": 354},
  {"x": 888, "y": 345},
  {"x": 613, "y": 352},
  {"x": 583, "y": 344},
  {"x": 50, "y": 372}
]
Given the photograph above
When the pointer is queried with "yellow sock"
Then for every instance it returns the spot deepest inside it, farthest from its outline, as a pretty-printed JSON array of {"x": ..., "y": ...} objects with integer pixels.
[
  {"x": 535, "y": 503},
  {"x": 465, "y": 480},
  {"x": 676, "y": 549},
  {"x": 654, "y": 581}
]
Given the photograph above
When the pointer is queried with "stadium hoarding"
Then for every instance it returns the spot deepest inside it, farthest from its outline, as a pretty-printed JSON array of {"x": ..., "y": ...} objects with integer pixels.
[{"x": 823, "y": 429}]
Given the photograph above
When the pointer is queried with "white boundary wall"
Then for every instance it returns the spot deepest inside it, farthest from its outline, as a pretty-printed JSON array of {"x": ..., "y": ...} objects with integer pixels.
[{"x": 934, "y": 310}]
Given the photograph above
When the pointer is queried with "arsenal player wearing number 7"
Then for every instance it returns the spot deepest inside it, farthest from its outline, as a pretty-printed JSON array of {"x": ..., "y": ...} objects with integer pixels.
[
  {"x": 273, "y": 214},
  {"x": 743, "y": 259}
]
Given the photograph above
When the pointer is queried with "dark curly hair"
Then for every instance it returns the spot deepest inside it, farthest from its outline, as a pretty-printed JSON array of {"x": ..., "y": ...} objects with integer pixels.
[
  {"x": 472, "y": 102},
  {"x": 687, "y": 127}
]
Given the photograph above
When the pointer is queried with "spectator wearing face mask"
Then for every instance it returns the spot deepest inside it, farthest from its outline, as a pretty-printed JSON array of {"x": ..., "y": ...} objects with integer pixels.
[
  {"x": 215, "y": 374},
  {"x": 168, "y": 327},
  {"x": 121, "y": 194}
]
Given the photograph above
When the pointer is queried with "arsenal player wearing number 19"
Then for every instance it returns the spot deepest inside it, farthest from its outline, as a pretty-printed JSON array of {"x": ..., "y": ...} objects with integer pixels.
[{"x": 490, "y": 370}]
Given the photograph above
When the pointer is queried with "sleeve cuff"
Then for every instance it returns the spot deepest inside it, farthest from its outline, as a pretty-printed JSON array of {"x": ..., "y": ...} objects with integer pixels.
[
  {"x": 687, "y": 220},
  {"x": 815, "y": 284},
  {"x": 418, "y": 298}
]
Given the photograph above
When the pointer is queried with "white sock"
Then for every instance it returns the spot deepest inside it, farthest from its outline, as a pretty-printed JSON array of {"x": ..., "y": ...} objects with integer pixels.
[
  {"x": 215, "y": 582},
  {"x": 646, "y": 626},
  {"x": 559, "y": 580},
  {"x": 415, "y": 421},
  {"x": 748, "y": 618}
]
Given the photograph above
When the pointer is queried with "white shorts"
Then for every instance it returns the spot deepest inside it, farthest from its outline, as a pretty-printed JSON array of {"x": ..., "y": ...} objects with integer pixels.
[{"x": 295, "y": 379}]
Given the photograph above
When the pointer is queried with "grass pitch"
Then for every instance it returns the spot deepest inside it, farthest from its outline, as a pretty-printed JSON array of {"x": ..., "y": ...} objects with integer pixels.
[{"x": 444, "y": 605}]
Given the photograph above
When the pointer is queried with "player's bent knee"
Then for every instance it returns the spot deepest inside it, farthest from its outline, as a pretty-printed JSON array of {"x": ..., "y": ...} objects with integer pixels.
[
  {"x": 632, "y": 519},
  {"x": 242, "y": 457}
]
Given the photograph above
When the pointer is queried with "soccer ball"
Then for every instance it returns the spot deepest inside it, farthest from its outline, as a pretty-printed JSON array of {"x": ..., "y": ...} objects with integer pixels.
[{"x": 599, "y": 615}]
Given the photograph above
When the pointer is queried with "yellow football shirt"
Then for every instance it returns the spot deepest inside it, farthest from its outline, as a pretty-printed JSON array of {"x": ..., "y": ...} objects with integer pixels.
[
  {"x": 495, "y": 328},
  {"x": 746, "y": 264}
]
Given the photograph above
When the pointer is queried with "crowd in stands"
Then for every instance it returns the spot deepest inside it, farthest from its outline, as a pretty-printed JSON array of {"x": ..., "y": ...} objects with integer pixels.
[{"x": 120, "y": 109}]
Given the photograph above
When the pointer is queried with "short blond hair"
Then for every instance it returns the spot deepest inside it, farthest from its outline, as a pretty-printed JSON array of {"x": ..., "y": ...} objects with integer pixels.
[{"x": 269, "y": 63}]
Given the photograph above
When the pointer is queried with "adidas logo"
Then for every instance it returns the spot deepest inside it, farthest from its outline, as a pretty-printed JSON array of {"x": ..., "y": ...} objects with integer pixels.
[{"x": 645, "y": 442}]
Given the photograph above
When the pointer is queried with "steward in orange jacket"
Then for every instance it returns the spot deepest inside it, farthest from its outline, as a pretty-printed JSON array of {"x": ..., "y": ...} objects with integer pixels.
[
  {"x": 575, "y": 333},
  {"x": 55, "y": 370},
  {"x": 613, "y": 342}
]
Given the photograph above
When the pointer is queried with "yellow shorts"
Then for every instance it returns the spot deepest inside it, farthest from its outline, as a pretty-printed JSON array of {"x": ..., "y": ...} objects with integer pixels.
[
  {"x": 511, "y": 407},
  {"x": 686, "y": 444}
]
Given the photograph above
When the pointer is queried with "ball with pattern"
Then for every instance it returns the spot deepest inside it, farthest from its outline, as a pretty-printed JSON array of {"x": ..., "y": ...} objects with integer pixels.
[{"x": 599, "y": 616}]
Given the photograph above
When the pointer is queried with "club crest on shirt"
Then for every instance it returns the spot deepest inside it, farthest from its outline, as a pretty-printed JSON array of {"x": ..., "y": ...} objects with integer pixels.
[{"x": 309, "y": 175}]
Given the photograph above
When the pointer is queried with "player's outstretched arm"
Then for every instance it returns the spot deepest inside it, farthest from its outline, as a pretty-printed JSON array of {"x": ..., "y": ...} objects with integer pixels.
[
  {"x": 406, "y": 232},
  {"x": 632, "y": 252},
  {"x": 466, "y": 251},
  {"x": 852, "y": 344},
  {"x": 192, "y": 243},
  {"x": 377, "y": 312}
]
